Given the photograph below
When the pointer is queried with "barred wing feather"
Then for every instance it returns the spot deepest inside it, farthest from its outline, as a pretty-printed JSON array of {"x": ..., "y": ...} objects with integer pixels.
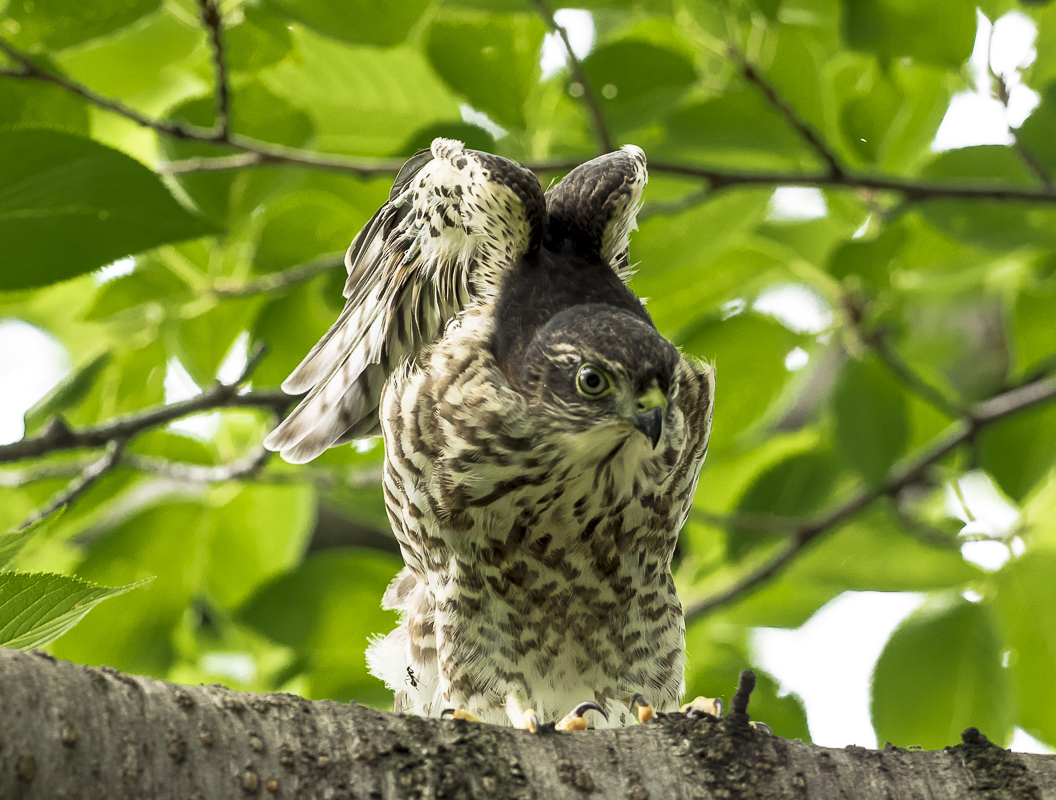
[{"x": 455, "y": 222}]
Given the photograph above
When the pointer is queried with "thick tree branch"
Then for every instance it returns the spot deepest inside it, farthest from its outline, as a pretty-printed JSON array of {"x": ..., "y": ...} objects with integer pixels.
[
  {"x": 590, "y": 97},
  {"x": 802, "y": 533},
  {"x": 75, "y": 731}
]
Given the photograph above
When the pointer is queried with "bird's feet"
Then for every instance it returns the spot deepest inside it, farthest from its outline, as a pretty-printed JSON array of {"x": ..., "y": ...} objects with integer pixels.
[
  {"x": 528, "y": 719},
  {"x": 699, "y": 706}
]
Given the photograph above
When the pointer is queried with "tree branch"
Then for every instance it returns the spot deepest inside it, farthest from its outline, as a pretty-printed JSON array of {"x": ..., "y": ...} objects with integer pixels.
[
  {"x": 31, "y": 71},
  {"x": 213, "y": 22},
  {"x": 806, "y": 131},
  {"x": 95, "y": 734},
  {"x": 281, "y": 280},
  {"x": 590, "y": 97},
  {"x": 802, "y": 533},
  {"x": 256, "y": 154},
  {"x": 89, "y": 475},
  {"x": 58, "y": 437}
]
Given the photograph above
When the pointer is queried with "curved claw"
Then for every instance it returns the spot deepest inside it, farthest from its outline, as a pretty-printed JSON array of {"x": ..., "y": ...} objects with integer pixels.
[
  {"x": 701, "y": 706},
  {"x": 458, "y": 713},
  {"x": 573, "y": 720},
  {"x": 640, "y": 706},
  {"x": 761, "y": 726},
  {"x": 531, "y": 720}
]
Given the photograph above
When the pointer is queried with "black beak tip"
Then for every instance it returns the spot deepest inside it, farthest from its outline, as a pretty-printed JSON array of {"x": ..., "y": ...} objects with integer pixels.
[{"x": 651, "y": 423}]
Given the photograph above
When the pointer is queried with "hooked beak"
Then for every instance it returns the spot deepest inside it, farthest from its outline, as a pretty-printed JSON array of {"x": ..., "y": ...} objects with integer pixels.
[{"x": 649, "y": 416}]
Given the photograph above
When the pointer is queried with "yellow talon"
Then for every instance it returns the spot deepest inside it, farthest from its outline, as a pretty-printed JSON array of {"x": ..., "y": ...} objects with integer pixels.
[
  {"x": 459, "y": 713},
  {"x": 574, "y": 721},
  {"x": 531, "y": 720},
  {"x": 703, "y": 705},
  {"x": 642, "y": 709}
]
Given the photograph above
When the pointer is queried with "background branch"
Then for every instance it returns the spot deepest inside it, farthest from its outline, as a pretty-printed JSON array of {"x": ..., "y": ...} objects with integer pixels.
[
  {"x": 804, "y": 532},
  {"x": 89, "y": 475},
  {"x": 213, "y": 22},
  {"x": 806, "y": 131},
  {"x": 590, "y": 97},
  {"x": 281, "y": 280}
]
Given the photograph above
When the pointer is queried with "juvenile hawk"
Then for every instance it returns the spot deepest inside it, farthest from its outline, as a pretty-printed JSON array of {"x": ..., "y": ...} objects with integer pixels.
[{"x": 542, "y": 440}]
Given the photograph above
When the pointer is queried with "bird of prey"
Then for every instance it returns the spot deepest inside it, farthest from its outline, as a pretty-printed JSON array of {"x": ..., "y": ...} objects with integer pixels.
[{"x": 542, "y": 440}]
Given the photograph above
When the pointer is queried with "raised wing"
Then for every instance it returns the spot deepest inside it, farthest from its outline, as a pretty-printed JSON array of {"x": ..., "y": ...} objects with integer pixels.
[
  {"x": 594, "y": 209},
  {"x": 455, "y": 221}
]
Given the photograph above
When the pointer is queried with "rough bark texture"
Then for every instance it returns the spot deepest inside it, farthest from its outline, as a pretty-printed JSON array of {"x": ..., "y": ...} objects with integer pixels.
[{"x": 70, "y": 731}]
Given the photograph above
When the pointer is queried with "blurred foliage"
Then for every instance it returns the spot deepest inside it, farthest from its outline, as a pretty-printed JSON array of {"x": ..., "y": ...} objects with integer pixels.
[{"x": 845, "y": 337}]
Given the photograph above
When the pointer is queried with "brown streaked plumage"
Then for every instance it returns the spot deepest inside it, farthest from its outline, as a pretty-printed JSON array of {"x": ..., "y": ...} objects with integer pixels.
[{"x": 543, "y": 441}]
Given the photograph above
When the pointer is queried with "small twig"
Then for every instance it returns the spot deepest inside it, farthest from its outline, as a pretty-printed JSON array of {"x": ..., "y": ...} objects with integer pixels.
[
  {"x": 259, "y": 154},
  {"x": 921, "y": 531},
  {"x": 89, "y": 475},
  {"x": 281, "y": 280},
  {"x": 213, "y": 21},
  {"x": 658, "y": 208},
  {"x": 963, "y": 431},
  {"x": 590, "y": 98},
  {"x": 765, "y": 524},
  {"x": 247, "y": 467},
  {"x": 752, "y": 74},
  {"x": 1025, "y": 154},
  {"x": 879, "y": 343},
  {"x": 32, "y": 71}
]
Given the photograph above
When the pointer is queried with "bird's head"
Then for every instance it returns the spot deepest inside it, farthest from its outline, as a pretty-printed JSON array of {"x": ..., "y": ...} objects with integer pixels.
[{"x": 602, "y": 376}]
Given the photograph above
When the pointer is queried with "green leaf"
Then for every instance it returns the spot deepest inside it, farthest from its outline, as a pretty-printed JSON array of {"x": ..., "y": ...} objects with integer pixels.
[
  {"x": 1019, "y": 451},
  {"x": 1032, "y": 317},
  {"x": 868, "y": 262},
  {"x": 737, "y": 129},
  {"x": 896, "y": 28},
  {"x": 872, "y": 429},
  {"x": 151, "y": 284},
  {"x": 1026, "y": 603},
  {"x": 260, "y": 533},
  {"x": 637, "y": 80},
  {"x": 327, "y": 610},
  {"x": 492, "y": 59},
  {"x": 998, "y": 225},
  {"x": 1035, "y": 132},
  {"x": 38, "y": 607},
  {"x": 261, "y": 39},
  {"x": 56, "y": 24},
  {"x": 387, "y": 92},
  {"x": 12, "y": 542},
  {"x": 31, "y": 104},
  {"x": 940, "y": 673},
  {"x": 203, "y": 341},
  {"x": 748, "y": 351},
  {"x": 303, "y": 225},
  {"x": 67, "y": 394},
  {"x": 356, "y": 21},
  {"x": 69, "y": 205}
]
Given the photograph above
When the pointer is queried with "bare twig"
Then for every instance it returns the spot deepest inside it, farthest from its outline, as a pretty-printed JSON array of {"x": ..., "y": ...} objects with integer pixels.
[
  {"x": 89, "y": 475},
  {"x": 259, "y": 154},
  {"x": 658, "y": 208},
  {"x": 1025, "y": 154},
  {"x": 590, "y": 97},
  {"x": 213, "y": 22},
  {"x": 961, "y": 432},
  {"x": 281, "y": 280},
  {"x": 752, "y": 74}
]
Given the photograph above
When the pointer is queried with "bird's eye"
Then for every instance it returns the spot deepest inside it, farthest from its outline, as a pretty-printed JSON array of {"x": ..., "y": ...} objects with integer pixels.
[{"x": 592, "y": 382}]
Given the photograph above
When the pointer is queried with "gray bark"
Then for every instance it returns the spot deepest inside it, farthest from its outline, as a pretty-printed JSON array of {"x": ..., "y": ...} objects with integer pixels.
[{"x": 70, "y": 731}]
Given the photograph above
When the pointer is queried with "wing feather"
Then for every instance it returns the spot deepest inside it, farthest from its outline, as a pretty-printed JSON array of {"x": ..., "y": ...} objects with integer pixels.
[{"x": 455, "y": 222}]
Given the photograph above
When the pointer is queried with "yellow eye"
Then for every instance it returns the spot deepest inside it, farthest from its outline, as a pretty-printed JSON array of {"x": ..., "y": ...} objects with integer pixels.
[{"x": 592, "y": 382}]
